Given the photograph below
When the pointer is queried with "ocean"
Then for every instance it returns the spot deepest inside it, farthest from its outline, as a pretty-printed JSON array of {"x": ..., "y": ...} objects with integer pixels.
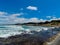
[{"x": 11, "y": 30}]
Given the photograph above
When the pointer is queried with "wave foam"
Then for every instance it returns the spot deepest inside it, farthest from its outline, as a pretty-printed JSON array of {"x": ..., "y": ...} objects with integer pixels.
[{"x": 15, "y": 30}]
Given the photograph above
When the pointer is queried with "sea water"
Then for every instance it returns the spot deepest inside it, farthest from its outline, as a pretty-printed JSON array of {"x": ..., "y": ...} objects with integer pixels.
[{"x": 11, "y": 30}]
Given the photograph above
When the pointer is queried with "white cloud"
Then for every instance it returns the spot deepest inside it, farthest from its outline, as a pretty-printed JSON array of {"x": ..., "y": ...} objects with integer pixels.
[
  {"x": 48, "y": 16},
  {"x": 33, "y": 20},
  {"x": 25, "y": 20},
  {"x": 7, "y": 18},
  {"x": 3, "y": 13},
  {"x": 20, "y": 20},
  {"x": 21, "y": 9},
  {"x": 51, "y": 17},
  {"x": 32, "y": 8},
  {"x": 15, "y": 15},
  {"x": 42, "y": 20}
]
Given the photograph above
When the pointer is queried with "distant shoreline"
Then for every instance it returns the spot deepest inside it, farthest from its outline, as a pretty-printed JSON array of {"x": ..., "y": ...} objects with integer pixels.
[{"x": 53, "y": 23}]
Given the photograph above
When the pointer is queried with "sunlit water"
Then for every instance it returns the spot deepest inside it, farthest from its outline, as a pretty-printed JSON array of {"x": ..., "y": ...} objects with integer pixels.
[{"x": 9, "y": 30}]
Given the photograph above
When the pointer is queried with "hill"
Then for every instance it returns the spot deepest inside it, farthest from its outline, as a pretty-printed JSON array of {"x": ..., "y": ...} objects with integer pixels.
[{"x": 46, "y": 23}]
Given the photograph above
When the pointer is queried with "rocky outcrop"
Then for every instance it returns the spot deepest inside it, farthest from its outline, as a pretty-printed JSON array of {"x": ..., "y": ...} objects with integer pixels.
[
  {"x": 43, "y": 37},
  {"x": 55, "y": 40},
  {"x": 21, "y": 40}
]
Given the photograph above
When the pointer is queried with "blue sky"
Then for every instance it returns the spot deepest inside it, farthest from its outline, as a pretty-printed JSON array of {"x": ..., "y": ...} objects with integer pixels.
[{"x": 28, "y": 10}]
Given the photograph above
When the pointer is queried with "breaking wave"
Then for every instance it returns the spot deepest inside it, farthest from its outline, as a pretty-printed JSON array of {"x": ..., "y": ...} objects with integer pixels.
[{"x": 11, "y": 30}]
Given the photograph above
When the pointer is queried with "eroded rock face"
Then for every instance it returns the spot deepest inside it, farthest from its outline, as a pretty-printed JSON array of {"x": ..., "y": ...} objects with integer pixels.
[
  {"x": 55, "y": 40},
  {"x": 21, "y": 40}
]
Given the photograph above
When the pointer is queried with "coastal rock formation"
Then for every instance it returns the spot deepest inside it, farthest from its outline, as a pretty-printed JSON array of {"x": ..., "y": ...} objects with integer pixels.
[
  {"x": 44, "y": 37},
  {"x": 28, "y": 40},
  {"x": 21, "y": 40},
  {"x": 55, "y": 40}
]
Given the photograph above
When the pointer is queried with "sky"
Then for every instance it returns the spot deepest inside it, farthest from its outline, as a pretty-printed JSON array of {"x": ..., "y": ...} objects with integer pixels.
[{"x": 23, "y": 11}]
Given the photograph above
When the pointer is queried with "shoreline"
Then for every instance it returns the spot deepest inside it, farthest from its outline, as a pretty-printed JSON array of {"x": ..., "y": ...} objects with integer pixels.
[
  {"x": 27, "y": 39},
  {"x": 37, "y": 38}
]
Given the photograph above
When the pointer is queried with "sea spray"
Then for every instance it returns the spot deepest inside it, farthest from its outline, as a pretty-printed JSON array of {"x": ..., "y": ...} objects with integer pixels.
[{"x": 10, "y": 30}]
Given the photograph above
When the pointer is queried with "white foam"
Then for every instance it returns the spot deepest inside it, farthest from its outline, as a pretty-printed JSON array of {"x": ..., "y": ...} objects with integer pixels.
[
  {"x": 45, "y": 28},
  {"x": 10, "y": 34},
  {"x": 15, "y": 30}
]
